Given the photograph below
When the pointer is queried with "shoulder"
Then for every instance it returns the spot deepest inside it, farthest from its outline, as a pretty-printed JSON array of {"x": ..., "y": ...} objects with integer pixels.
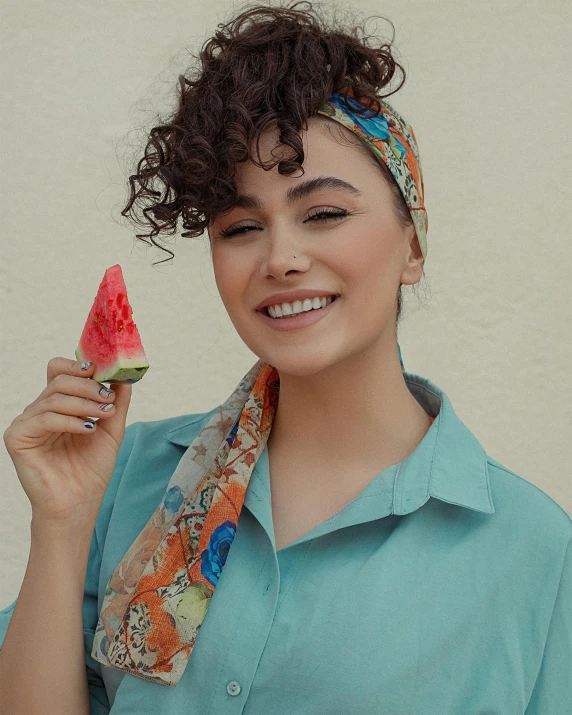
[
  {"x": 508, "y": 483},
  {"x": 526, "y": 511}
]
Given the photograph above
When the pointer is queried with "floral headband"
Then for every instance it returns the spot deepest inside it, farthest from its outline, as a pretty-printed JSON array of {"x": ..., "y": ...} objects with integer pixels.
[{"x": 390, "y": 137}]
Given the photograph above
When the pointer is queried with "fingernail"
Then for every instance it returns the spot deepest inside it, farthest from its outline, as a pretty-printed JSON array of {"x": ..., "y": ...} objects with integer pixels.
[{"x": 85, "y": 365}]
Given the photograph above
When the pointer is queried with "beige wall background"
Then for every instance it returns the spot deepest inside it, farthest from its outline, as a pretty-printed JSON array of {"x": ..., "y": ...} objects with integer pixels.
[{"x": 489, "y": 96}]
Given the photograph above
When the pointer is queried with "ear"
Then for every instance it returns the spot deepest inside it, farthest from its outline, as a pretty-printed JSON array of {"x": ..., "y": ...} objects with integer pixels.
[{"x": 413, "y": 260}]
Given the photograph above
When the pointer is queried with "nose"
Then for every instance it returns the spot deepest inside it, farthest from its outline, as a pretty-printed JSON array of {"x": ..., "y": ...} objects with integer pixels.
[{"x": 283, "y": 255}]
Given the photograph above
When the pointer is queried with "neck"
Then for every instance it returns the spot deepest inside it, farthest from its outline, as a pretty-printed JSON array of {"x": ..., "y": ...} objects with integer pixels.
[{"x": 357, "y": 412}]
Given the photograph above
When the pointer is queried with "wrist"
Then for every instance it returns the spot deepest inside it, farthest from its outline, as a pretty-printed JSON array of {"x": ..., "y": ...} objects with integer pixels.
[{"x": 76, "y": 531}]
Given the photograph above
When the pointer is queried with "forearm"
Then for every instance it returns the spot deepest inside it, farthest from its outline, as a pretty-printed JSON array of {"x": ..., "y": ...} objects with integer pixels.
[{"x": 42, "y": 660}]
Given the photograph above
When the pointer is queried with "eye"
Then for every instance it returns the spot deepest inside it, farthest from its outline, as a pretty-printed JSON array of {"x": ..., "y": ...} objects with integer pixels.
[
  {"x": 238, "y": 229},
  {"x": 325, "y": 215},
  {"x": 318, "y": 216}
]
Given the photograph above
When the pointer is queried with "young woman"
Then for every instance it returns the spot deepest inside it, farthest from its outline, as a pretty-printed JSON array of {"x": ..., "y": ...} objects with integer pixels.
[{"x": 332, "y": 538}]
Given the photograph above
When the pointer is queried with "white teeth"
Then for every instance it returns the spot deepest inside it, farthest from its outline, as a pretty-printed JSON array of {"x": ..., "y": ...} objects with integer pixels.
[{"x": 298, "y": 306}]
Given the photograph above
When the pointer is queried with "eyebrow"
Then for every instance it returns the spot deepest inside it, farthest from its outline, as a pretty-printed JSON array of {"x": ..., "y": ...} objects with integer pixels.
[{"x": 295, "y": 193}]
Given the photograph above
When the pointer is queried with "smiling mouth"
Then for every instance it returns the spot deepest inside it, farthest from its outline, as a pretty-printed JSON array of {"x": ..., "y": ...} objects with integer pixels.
[{"x": 331, "y": 299}]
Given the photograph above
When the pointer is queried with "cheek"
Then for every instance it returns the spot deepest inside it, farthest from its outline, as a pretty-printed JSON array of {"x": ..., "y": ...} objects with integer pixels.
[
  {"x": 228, "y": 276},
  {"x": 367, "y": 263}
]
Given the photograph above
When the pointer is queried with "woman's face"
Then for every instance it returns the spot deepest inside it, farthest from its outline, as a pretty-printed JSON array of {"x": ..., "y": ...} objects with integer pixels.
[{"x": 361, "y": 257}]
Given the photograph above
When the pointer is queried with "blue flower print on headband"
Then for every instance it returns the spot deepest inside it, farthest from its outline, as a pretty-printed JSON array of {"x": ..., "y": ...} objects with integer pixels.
[{"x": 376, "y": 127}]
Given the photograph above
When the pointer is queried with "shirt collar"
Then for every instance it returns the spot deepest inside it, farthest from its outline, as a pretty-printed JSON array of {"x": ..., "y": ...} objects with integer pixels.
[{"x": 448, "y": 464}]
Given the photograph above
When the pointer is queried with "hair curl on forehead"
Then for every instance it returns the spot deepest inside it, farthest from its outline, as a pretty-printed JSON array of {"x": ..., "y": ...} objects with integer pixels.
[{"x": 268, "y": 66}]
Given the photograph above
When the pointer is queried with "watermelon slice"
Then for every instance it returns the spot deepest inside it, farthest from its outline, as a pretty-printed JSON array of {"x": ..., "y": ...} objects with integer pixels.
[{"x": 110, "y": 337}]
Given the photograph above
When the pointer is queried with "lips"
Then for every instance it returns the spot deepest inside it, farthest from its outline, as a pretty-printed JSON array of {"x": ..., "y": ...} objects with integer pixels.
[
  {"x": 266, "y": 309},
  {"x": 292, "y": 296},
  {"x": 301, "y": 320}
]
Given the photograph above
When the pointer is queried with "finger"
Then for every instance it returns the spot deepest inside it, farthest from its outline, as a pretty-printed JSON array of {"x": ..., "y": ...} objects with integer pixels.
[
  {"x": 66, "y": 403},
  {"x": 55, "y": 422},
  {"x": 60, "y": 373},
  {"x": 122, "y": 400},
  {"x": 65, "y": 366}
]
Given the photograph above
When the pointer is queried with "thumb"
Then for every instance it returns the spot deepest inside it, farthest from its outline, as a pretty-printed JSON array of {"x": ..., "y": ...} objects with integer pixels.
[{"x": 122, "y": 400}]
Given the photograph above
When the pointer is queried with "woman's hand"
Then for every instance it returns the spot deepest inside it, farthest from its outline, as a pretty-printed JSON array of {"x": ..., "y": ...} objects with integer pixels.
[{"x": 64, "y": 467}]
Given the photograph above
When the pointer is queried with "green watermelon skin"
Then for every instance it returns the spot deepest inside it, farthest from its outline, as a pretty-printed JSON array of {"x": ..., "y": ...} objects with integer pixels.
[{"x": 110, "y": 338}]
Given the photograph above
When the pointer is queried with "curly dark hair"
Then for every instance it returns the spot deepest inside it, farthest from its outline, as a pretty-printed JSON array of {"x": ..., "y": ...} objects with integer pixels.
[{"x": 267, "y": 66}]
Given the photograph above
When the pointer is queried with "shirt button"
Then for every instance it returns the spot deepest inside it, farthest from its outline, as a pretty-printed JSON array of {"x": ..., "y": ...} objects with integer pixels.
[{"x": 233, "y": 688}]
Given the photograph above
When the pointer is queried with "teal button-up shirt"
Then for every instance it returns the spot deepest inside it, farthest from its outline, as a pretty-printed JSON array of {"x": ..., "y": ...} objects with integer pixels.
[{"x": 443, "y": 588}]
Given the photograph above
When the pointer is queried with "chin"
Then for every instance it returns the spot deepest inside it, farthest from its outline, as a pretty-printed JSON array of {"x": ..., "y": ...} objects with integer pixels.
[
  {"x": 299, "y": 361},
  {"x": 309, "y": 355},
  {"x": 297, "y": 369}
]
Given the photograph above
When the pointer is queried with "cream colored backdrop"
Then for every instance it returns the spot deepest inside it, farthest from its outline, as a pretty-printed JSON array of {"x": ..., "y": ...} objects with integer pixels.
[{"x": 488, "y": 94}]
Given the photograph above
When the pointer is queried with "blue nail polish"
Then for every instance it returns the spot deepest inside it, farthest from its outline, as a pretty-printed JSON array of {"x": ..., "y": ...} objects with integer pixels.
[{"x": 85, "y": 365}]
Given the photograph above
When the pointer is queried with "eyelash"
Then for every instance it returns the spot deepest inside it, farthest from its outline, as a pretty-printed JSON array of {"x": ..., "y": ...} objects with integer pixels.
[{"x": 338, "y": 214}]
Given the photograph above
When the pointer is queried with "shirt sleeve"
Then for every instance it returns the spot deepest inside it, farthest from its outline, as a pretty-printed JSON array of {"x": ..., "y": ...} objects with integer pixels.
[
  {"x": 98, "y": 699},
  {"x": 552, "y": 691}
]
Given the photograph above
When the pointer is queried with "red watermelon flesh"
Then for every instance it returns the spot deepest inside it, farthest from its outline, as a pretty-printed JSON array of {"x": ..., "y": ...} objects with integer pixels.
[{"x": 110, "y": 338}]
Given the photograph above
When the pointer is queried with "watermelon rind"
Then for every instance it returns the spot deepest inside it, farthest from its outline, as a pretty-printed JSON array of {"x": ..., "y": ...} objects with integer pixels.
[{"x": 124, "y": 370}]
